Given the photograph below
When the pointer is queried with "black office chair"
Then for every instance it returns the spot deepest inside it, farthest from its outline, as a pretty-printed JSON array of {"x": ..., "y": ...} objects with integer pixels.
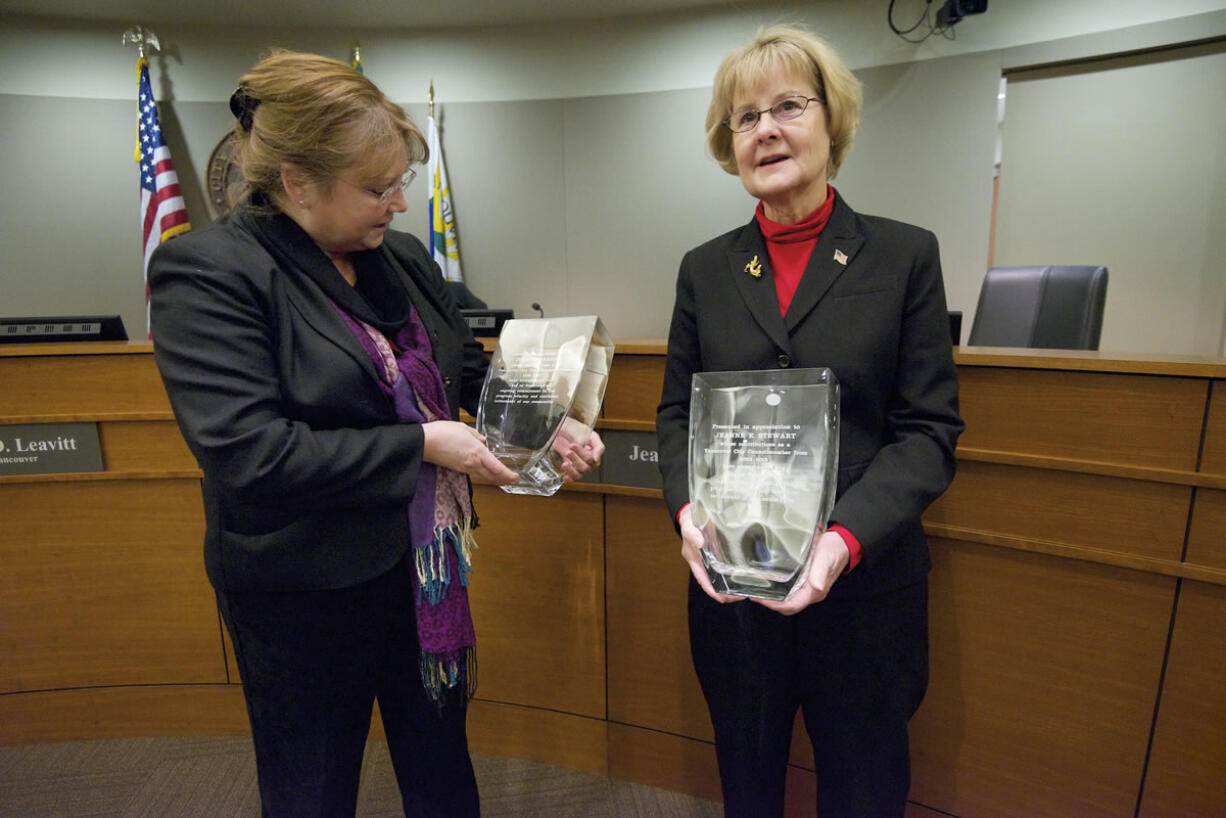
[{"x": 1048, "y": 307}]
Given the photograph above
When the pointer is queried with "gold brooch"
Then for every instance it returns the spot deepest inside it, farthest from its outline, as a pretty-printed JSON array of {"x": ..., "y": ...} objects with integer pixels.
[{"x": 754, "y": 267}]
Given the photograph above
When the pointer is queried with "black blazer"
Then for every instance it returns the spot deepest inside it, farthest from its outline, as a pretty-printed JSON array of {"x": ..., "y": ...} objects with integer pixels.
[
  {"x": 307, "y": 473},
  {"x": 871, "y": 307}
]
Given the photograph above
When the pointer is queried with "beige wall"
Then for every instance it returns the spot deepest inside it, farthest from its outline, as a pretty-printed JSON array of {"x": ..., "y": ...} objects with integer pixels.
[
  {"x": 1121, "y": 163},
  {"x": 575, "y": 152}
]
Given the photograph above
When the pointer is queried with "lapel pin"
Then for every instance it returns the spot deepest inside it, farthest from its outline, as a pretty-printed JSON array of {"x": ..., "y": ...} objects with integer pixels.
[
  {"x": 754, "y": 267},
  {"x": 840, "y": 257}
]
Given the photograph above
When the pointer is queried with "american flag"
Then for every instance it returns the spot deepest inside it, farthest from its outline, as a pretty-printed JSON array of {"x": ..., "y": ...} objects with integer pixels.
[{"x": 163, "y": 213}]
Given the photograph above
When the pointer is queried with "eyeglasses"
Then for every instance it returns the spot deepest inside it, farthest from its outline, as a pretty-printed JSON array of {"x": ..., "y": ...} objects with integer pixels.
[
  {"x": 385, "y": 196},
  {"x": 785, "y": 109}
]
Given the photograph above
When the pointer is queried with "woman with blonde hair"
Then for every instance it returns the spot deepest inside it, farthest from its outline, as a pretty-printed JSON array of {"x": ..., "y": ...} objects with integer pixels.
[
  {"x": 810, "y": 282},
  {"x": 316, "y": 364}
]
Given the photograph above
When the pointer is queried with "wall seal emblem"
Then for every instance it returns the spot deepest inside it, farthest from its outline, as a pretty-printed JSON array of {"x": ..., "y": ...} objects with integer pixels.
[{"x": 225, "y": 179}]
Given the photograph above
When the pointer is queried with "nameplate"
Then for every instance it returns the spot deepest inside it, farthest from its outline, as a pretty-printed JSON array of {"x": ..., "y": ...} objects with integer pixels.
[
  {"x": 49, "y": 448},
  {"x": 630, "y": 459}
]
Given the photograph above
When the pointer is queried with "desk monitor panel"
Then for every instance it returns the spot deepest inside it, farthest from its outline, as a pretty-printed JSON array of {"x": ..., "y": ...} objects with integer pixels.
[
  {"x": 486, "y": 323},
  {"x": 47, "y": 328}
]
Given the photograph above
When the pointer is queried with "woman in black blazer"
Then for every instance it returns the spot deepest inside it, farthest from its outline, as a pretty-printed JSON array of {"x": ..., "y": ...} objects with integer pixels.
[
  {"x": 809, "y": 282},
  {"x": 316, "y": 364}
]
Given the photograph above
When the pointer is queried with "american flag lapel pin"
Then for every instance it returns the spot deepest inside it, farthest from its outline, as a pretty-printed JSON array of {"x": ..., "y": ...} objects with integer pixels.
[{"x": 840, "y": 257}]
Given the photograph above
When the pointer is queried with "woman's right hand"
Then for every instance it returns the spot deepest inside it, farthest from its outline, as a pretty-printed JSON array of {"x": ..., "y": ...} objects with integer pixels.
[
  {"x": 691, "y": 544},
  {"x": 459, "y": 447}
]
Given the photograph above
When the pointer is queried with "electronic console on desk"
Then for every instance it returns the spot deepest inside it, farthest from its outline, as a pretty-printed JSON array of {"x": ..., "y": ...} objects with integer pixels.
[
  {"x": 62, "y": 328},
  {"x": 486, "y": 322}
]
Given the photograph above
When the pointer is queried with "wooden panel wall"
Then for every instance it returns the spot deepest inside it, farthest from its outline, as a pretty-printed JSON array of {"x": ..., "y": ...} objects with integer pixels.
[
  {"x": 107, "y": 623},
  {"x": 103, "y": 584},
  {"x": 101, "y": 578},
  {"x": 1032, "y": 504},
  {"x": 1140, "y": 420},
  {"x": 1079, "y": 583},
  {"x": 72, "y": 384},
  {"x": 1187, "y": 772},
  {"x": 651, "y": 681},
  {"x": 537, "y": 592},
  {"x": 1048, "y": 649},
  {"x": 1213, "y": 454},
  {"x": 1044, "y": 673},
  {"x": 635, "y": 383},
  {"x": 1207, "y": 535}
]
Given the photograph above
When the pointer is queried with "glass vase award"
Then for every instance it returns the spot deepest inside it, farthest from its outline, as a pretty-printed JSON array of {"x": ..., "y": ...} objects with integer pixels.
[
  {"x": 547, "y": 376},
  {"x": 764, "y": 453}
]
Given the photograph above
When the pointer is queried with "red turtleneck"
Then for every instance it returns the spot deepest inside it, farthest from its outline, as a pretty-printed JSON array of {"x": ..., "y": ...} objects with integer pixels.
[{"x": 790, "y": 245}]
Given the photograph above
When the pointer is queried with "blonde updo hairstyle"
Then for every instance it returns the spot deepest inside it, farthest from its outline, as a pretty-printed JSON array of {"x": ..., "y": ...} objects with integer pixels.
[
  {"x": 320, "y": 115},
  {"x": 788, "y": 50}
]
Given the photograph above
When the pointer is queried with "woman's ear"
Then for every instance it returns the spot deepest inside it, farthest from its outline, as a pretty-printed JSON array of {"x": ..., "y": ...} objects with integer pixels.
[{"x": 294, "y": 182}]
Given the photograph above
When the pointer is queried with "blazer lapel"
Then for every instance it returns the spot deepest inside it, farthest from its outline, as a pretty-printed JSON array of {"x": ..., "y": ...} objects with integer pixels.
[
  {"x": 296, "y": 256},
  {"x": 832, "y": 255},
  {"x": 317, "y": 311},
  {"x": 750, "y": 268}
]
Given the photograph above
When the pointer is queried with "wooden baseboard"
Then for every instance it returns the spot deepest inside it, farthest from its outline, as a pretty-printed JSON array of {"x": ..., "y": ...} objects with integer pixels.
[
  {"x": 116, "y": 712},
  {"x": 534, "y": 734},
  {"x": 663, "y": 760}
]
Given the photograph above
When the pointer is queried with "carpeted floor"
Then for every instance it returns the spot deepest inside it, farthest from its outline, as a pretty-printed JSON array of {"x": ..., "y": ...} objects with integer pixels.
[{"x": 215, "y": 777}]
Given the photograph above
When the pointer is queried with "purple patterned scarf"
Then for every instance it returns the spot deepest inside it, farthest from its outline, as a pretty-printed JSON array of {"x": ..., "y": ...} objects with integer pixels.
[{"x": 440, "y": 514}]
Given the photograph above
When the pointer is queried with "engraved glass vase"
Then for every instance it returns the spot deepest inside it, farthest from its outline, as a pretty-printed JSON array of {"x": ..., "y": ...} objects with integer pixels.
[
  {"x": 547, "y": 376},
  {"x": 763, "y": 457}
]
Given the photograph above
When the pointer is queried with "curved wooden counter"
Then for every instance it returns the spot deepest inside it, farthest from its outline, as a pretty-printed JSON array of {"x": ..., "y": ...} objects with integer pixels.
[{"x": 1078, "y": 588}]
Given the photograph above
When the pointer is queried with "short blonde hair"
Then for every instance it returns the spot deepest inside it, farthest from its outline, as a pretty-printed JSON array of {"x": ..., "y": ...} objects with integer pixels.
[
  {"x": 794, "y": 50},
  {"x": 320, "y": 115}
]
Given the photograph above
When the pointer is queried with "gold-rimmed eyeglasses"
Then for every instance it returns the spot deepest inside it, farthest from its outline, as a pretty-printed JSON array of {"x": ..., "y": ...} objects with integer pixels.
[
  {"x": 385, "y": 196},
  {"x": 785, "y": 109}
]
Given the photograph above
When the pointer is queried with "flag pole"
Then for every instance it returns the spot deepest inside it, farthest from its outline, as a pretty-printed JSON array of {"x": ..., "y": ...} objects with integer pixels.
[
  {"x": 444, "y": 242},
  {"x": 142, "y": 38},
  {"x": 163, "y": 211}
]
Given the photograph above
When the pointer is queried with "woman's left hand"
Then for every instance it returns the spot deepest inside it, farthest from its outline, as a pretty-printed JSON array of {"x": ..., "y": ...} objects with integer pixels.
[
  {"x": 826, "y": 563},
  {"x": 577, "y": 458}
]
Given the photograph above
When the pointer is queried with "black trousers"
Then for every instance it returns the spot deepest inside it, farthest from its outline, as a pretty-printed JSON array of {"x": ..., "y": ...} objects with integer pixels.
[
  {"x": 857, "y": 668},
  {"x": 312, "y": 664}
]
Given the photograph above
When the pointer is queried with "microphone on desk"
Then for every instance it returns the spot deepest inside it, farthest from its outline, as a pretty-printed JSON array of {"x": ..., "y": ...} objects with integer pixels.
[{"x": 537, "y": 307}]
